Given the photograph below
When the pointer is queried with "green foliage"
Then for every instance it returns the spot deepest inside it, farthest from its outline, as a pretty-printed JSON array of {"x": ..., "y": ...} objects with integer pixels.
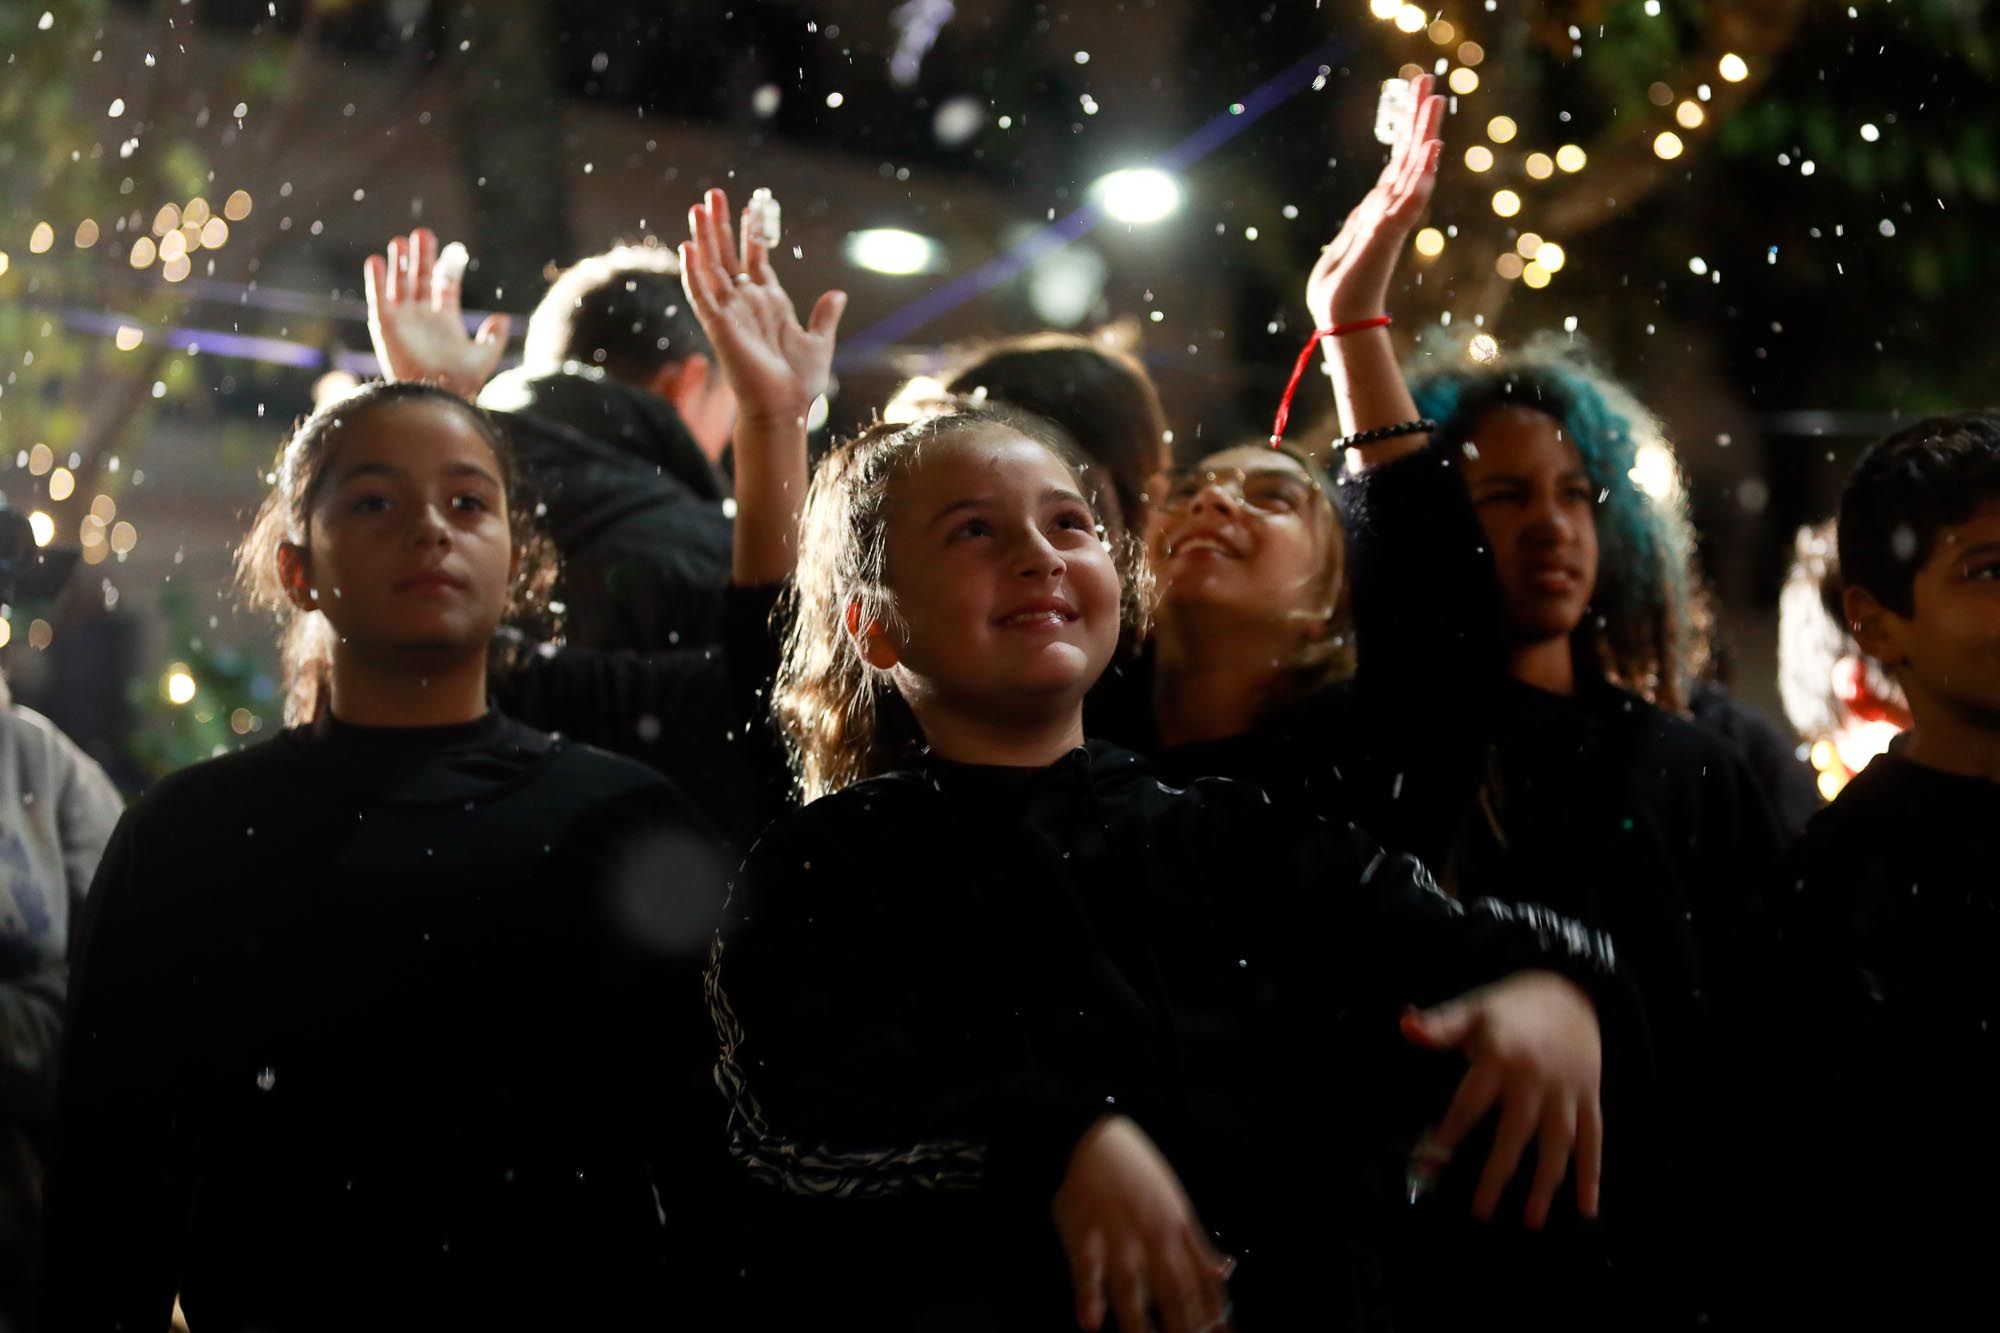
[{"x": 235, "y": 697}]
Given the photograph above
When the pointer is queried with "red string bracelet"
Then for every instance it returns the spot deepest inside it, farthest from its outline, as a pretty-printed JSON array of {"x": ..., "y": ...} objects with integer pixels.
[{"x": 1305, "y": 355}]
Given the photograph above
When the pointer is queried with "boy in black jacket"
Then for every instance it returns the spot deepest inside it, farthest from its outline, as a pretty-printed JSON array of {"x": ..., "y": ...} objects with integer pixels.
[{"x": 1888, "y": 910}]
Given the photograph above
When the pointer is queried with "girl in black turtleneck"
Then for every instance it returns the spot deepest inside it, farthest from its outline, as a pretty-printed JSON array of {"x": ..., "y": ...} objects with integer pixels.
[{"x": 385, "y": 1020}]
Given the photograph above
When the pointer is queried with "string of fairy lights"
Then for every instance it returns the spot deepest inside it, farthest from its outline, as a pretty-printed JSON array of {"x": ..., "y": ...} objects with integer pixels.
[{"x": 1533, "y": 259}]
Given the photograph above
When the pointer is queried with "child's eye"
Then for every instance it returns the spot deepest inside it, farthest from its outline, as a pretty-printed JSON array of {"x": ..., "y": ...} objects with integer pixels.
[
  {"x": 369, "y": 504},
  {"x": 469, "y": 503},
  {"x": 1076, "y": 520},
  {"x": 972, "y": 527},
  {"x": 1577, "y": 494},
  {"x": 1988, "y": 572}
]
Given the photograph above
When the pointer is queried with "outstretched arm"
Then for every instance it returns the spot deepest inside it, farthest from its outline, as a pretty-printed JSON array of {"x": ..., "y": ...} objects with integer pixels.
[
  {"x": 775, "y": 365},
  {"x": 1351, "y": 282},
  {"x": 415, "y": 322}
]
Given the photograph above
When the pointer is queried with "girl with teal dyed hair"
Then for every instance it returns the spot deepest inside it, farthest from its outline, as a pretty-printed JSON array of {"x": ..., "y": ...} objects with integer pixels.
[
  {"x": 1528, "y": 624},
  {"x": 1642, "y": 620}
]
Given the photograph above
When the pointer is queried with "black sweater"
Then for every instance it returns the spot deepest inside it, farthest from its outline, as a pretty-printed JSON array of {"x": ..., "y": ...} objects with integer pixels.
[
  {"x": 934, "y": 981},
  {"x": 379, "y": 1028},
  {"x": 701, "y": 716},
  {"x": 1881, "y": 1047}
]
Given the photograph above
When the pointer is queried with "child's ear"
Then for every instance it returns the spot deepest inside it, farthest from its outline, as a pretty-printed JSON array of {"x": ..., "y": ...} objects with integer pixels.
[
  {"x": 295, "y": 573},
  {"x": 1876, "y": 629},
  {"x": 871, "y": 639}
]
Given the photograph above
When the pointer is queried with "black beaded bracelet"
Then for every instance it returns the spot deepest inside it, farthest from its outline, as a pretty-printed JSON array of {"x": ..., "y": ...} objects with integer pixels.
[{"x": 1421, "y": 426}]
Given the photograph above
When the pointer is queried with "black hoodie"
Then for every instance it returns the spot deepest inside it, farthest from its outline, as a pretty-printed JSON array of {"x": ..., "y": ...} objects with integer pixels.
[
  {"x": 933, "y": 982},
  {"x": 635, "y": 510}
]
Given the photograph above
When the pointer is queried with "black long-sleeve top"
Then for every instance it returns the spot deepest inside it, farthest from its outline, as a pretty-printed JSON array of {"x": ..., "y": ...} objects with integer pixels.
[
  {"x": 931, "y": 984},
  {"x": 386, "y": 1028},
  {"x": 1879, "y": 1050},
  {"x": 701, "y": 715}
]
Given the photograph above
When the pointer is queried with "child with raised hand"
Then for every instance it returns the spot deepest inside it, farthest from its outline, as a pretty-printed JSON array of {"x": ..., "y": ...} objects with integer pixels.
[
  {"x": 699, "y": 715},
  {"x": 390, "y": 1017},
  {"x": 1881, "y": 1043},
  {"x": 999, "y": 998},
  {"x": 1502, "y": 552}
]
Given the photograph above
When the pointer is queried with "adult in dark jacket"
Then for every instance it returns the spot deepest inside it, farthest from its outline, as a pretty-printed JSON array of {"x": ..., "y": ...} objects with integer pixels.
[
  {"x": 1882, "y": 1036},
  {"x": 620, "y": 414}
]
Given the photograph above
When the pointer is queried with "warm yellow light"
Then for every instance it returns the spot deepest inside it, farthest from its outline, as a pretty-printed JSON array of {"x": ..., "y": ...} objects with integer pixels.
[
  {"x": 1509, "y": 265},
  {"x": 144, "y": 251},
  {"x": 1668, "y": 145},
  {"x": 1430, "y": 242},
  {"x": 128, "y": 337},
  {"x": 173, "y": 246},
  {"x": 1483, "y": 348},
  {"x": 1410, "y": 70},
  {"x": 1659, "y": 94},
  {"x": 1385, "y": 9},
  {"x": 241, "y": 721},
  {"x": 96, "y": 555},
  {"x": 1506, "y": 203},
  {"x": 43, "y": 527},
  {"x": 1571, "y": 158},
  {"x": 237, "y": 206},
  {"x": 1442, "y": 32},
  {"x": 177, "y": 270},
  {"x": 1732, "y": 68},
  {"x": 90, "y": 532},
  {"x": 1540, "y": 166},
  {"x": 1501, "y": 129},
  {"x": 1470, "y": 53},
  {"x": 41, "y": 238},
  {"x": 123, "y": 537},
  {"x": 178, "y": 685},
  {"x": 40, "y": 459},
  {"x": 1551, "y": 256},
  {"x": 1463, "y": 81},
  {"x": 104, "y": 509},
  {"x": 86, "y": 233},
  {"x": 214, "y": 234},
  {"x": 1534, "y": 275},
  {"x": 1478, "y": 158},
  {"x": 196, "y": 212},
  {"x": 4, "y": 263},
  {"x": 6, "y": 632},
  {"x": 62, "y": 484},
  {"x": 41, "y": 634},
  {"x": 1411, "y": 19},
  {"x": 1690, "y": 115},
  {"x": 167, "y": 219},
  {"x": 1527, "y": 245},
  {"x": 192, "y": 235}
]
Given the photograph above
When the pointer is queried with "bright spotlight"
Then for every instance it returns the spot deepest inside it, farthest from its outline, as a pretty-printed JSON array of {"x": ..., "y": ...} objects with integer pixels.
[
  {"x": 893, "y": 251},
  {"x": 1138, "y": 194}
]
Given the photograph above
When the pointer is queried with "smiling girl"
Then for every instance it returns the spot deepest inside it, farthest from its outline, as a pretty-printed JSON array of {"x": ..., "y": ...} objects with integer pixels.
[
  {"x": 384, "y": 1015},
  {"x": 1000, "y": 1003}
]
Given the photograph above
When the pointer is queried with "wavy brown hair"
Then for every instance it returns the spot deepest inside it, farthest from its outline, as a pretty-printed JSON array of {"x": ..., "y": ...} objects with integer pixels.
[
  {"x": 305, "y": 638},
  {"x": 843, "y": 718}
]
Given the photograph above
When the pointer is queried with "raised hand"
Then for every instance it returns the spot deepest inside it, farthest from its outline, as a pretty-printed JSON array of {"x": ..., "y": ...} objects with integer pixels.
[
  {"x": 1351, "y": 280},
  {"x": 775, "y": 365},
  {"x": 1133, "y": 1241},
  {"x": 1535, "y": 1051},
  {"x": 415, "y": 322}
]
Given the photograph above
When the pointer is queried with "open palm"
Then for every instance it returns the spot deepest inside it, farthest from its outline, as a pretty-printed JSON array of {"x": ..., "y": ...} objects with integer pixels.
[
  {"x": 775, "y": 364},
  {"x": 1351, "y": 280},
  {"x": 415, "y": 321}
]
